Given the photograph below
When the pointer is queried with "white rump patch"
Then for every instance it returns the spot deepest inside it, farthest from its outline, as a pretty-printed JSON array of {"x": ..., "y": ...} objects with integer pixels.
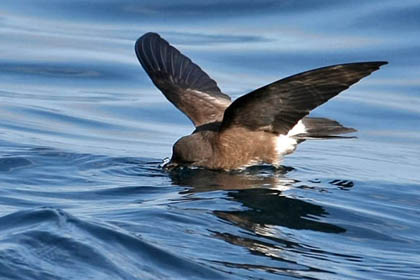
[
  {"x": 297, "y": 129},
  {"x": 286, "y": 144}
]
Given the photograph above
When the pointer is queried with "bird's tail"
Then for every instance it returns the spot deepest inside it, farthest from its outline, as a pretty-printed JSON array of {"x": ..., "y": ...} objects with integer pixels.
[{"x": 322, "y": 128}]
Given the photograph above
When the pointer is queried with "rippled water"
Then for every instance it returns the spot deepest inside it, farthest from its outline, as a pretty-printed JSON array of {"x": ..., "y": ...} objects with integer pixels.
[{"x": 83, "y": 131}]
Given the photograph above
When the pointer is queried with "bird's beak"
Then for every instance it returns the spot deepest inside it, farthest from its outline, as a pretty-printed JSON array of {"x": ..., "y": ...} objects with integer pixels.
[{"x": 170, "y": 165}]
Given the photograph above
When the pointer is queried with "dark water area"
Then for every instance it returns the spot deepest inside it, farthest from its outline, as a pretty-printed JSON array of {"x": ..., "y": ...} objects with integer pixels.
[{"x": 83, "y": 132}]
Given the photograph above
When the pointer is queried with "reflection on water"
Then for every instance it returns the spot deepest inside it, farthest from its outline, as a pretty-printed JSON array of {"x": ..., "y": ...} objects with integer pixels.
[
  {"x": 266, "y": 213},
  {"x": 252, "y": 177},
  {"x": 267, "y": 208},
  {"x": 259, "y": 189}
]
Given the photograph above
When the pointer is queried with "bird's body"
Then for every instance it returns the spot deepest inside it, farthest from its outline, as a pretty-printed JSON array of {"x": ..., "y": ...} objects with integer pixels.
[
  {"x": 259, "y": 127},
  {"x": 234, "y": 149}
]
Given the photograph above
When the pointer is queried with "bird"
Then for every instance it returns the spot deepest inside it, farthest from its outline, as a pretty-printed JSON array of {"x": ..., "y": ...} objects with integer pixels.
[{"x": 260, "y": 127}]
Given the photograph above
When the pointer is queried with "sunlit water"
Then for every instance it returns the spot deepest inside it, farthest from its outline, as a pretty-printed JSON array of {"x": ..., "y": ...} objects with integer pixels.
[{"x": 83, "y": 132}]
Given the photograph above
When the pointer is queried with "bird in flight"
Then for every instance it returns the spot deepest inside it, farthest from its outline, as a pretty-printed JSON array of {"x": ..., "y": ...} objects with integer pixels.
[{"x": 260, "y": 127}]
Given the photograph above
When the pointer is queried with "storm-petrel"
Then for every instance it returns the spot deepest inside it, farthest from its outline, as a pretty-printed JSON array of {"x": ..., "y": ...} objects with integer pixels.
[{"x": 259, "y": 127}]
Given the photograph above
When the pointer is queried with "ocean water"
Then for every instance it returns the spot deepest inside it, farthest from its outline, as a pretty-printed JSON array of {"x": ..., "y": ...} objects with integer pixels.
[{"x": 83, "y": 132}]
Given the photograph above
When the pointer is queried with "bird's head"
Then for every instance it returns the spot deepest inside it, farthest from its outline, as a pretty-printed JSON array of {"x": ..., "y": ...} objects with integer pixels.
[{"x": 190, "y": 151}]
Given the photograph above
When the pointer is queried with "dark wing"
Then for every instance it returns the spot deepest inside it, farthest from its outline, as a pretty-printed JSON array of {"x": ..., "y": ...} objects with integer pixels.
[
  {"x": 183, "y": 83},
  {"x": 277, "y": 107}
]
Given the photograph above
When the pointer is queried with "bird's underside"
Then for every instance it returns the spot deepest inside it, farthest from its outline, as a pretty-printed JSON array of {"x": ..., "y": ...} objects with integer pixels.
[{"x": 259, "y": 127}]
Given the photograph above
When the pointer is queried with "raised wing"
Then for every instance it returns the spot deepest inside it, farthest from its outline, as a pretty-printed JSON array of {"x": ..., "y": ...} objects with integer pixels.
[
  {"x": 277, "y": 107},
  {"x": 183, "y": 83}
]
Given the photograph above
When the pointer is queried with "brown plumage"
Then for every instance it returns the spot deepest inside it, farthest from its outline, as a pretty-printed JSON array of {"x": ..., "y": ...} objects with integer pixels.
[{"x": 259, "y": 127}]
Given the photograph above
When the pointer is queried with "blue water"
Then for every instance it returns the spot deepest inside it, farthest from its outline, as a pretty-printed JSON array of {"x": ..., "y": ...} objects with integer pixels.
[{"x": 83, "y": 132}]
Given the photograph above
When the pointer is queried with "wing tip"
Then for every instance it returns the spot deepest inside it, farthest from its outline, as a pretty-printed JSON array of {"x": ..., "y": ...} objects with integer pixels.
[
  {"x": 374, "y": 65},
  {"x": 378, "y": 64},
  {"x": 147, "y": 37},
  {"x": 363, "y": 64}
]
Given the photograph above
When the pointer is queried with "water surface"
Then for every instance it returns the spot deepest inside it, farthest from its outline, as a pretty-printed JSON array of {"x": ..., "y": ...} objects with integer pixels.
[{"x": 83, "y": 132}]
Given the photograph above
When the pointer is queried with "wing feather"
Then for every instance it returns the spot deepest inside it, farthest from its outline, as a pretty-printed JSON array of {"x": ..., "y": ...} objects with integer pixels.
[
  {"x": 278, "y": 106},
  {"x": 183, "y": 83}
]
